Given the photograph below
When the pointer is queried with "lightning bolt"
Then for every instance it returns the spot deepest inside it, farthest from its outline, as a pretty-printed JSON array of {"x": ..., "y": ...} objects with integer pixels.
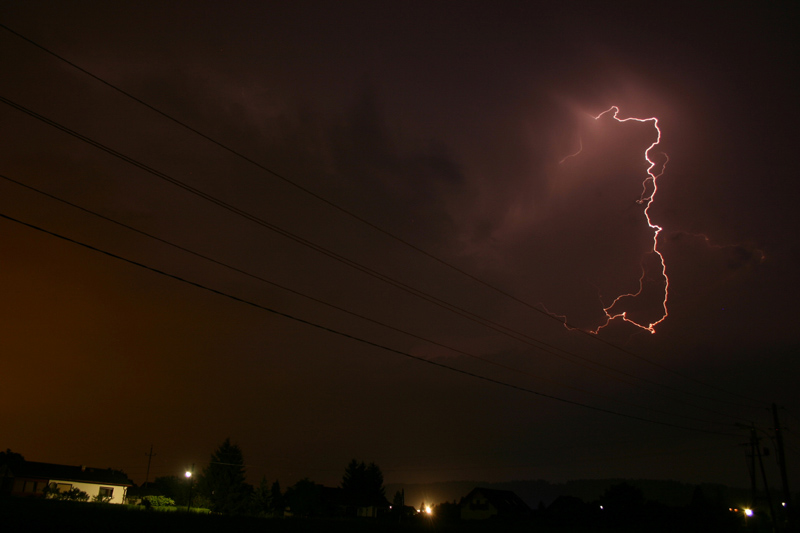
[
  {"x": 650, "y": 183},
  {"x": 580, "y": 149}
]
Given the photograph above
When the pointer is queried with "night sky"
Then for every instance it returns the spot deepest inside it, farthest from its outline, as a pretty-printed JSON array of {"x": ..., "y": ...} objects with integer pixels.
[{"x": 390, "y": 185}]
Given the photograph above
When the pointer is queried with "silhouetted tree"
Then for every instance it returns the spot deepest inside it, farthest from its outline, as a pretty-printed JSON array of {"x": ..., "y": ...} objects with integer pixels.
[
  {"x": 364, "y": 483},
  {"x": 262, "y": 497},
  {"x": 623, "y": 503},
  {"x": 373, "y": 482},
  {"x": 277, "y": 502},
  {"x": 447, "y": 512},
  {"x": 354, "y": 474},
  {"x": 172, "y": 487},
  {"x": 223, "y": 480},
  {"x": 622, "y": 498},
  {"x": 304, "y": 498},
  {"x": 10, "y": 458},
  {"x": 399, "y": 499},
  {"x": 8, "y": 463},
  {"x": 699, "y": 500}
]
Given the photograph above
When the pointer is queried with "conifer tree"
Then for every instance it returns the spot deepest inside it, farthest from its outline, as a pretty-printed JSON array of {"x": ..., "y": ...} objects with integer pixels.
[
  {"x": 223, "y": 480},
  {"x": 364, "y": 483},
  {"x": 276, "y": 500}
]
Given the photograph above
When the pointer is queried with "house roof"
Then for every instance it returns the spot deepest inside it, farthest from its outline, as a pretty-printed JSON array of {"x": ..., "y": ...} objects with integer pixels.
[
  {"x": 505, "y": 501},
  {"x": 50, "y": 471}
]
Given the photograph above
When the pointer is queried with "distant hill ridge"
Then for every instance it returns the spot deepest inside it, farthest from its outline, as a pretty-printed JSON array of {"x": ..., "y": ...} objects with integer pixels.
[{"x": 534, "y": 492}]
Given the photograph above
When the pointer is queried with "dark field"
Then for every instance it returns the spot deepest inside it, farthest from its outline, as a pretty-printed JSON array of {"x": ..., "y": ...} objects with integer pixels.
[{"x": 43, "y": 515}]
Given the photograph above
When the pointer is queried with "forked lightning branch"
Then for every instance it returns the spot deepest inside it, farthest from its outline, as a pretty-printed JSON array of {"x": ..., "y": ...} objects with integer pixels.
[{"x": 649, "y": 189}]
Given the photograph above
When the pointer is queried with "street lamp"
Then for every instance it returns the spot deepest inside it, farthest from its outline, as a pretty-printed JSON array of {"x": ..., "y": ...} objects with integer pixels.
[{"x": 189, "y": 474}]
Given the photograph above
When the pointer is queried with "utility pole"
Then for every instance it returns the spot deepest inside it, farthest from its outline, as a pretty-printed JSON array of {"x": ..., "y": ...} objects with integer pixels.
[
  {"x": 787, "y": 495},
  {"x": 751, "y": 467},
  {"x": 774, "y": 519},
  {"x": 149, "y": 459}
]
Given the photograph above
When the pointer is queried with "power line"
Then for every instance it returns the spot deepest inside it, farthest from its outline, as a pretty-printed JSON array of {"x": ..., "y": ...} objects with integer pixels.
[
  {"x": 354, "y": 337},
  {"x": 375, "y": 227},
  {"x": 509, "y": 332},
  {"x": 342, "y": 309}
]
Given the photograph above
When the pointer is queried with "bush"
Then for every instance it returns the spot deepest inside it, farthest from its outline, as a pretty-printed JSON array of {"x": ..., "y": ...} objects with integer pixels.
[
  {"x": 157, "y": 501},
  {"x": 74, "y": 494}
]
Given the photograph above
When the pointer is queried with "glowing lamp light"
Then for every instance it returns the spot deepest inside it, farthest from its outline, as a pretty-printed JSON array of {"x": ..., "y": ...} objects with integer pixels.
[
  {"x": 428, "y": 509},
  {"x": 188, "y": 474},
  {"x": 748, "y": 512}
]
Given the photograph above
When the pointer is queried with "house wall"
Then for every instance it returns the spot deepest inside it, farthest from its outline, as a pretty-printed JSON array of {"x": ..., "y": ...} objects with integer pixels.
[
  {"x": 370, "y": 512},
  {"x": 477, "y": 508},
  {"x": 28, "y": 487},
  {"x": 93, "y": 489}
]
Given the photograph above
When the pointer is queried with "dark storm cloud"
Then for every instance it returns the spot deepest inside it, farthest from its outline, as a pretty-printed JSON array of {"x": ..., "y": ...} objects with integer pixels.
[
  {"x": 444, "y": 123},
  {"x": 393, "y": 179}
]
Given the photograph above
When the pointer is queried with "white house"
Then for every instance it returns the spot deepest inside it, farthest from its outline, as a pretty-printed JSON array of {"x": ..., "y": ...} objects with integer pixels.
[{"x": 29, "y": 478}]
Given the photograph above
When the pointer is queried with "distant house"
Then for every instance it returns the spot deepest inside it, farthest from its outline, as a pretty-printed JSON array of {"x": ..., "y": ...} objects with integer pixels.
[
  {"x": 482, "y": 503},
  {"x": 570, "y": 510},
  {"x": 29, "y": 478}
]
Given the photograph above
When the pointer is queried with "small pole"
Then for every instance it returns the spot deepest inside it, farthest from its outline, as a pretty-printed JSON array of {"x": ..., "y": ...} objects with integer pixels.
[
  {"x": 751, "y": 465},
  {"x": 190, "y": 475},
  {"x": 149, "y": 459},
  {"x": 764, "y": 477},
  {"x": 787, "y": 495}
]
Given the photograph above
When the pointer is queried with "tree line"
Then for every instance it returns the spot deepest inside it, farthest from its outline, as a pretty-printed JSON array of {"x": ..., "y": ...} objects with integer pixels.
[{"x": 222, "y": 488}]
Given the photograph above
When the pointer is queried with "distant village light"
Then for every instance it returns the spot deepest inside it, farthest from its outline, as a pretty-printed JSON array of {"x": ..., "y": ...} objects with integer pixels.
[
  {"x": 428, "y": 509},
  {"x": 188, "y": 474}
]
